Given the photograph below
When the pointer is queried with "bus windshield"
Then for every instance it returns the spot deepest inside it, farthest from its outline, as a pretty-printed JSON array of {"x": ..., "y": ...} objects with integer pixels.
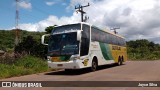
[{"x": 63, "y": 44}]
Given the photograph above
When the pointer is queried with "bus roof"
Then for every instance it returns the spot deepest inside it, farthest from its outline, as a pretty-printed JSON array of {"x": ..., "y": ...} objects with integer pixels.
[{"x": 105, "y": 30}]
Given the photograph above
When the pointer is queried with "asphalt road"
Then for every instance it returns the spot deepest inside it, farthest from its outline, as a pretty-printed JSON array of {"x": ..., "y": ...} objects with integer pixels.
[{"x": 130, "y": 71}]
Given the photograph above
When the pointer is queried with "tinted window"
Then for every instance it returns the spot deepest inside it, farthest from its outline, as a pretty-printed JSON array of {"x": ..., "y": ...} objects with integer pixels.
[
  {"x": 85, "y": 39},
  {"x": 95, "y": 35},
  {"x": 104, "y": 37},
  {"x": 63, "y": 44},
  {"x": 67, "y": 28}
]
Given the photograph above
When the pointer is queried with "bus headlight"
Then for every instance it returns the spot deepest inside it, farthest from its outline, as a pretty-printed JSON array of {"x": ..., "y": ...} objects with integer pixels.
[{"x": 48, "y": 58}]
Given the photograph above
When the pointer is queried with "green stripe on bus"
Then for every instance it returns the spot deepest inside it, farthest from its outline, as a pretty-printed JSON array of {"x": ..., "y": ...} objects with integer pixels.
[
  {"x": 106, "y": 51},
  {"x": 65, "y": 58}
]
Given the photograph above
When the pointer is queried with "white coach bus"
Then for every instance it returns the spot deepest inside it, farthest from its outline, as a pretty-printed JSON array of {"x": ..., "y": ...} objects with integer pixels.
[{"x": 81, "y": 45}]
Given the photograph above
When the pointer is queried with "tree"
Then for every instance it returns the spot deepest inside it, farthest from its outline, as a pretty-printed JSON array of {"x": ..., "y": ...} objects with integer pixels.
[
  {"x": 31, "y": 46},
  {"x": 143, "y": 49},
  {"x": 151, "y": 46},
  {"x": 49, "y": 29}
]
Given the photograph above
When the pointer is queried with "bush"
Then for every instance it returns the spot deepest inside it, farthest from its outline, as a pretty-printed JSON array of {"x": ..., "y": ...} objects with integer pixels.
[
  {"x": 30, "y": 62},
  {"x": 143, "y": 50},
  {"x": 152, "y": 57},
  {"x": 12, "y": 70},
  {"x": 23, "y": 66},
  {"x": 31, "y": 46}
]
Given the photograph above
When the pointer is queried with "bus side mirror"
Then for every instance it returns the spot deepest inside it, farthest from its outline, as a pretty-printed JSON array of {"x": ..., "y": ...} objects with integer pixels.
[
  {"x": 78, "y": 35},
  {"x": 43, "y": 38}
]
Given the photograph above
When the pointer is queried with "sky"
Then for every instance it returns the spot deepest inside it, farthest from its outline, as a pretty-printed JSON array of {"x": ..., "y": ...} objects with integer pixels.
[{"x": 137, "y": 19}]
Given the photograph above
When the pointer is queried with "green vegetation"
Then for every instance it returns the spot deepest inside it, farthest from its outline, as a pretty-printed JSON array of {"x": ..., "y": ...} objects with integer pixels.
[
  {"x": 31, "y": 46},
  {"x": 23, "y": 66},
  {"x": 7, "y": 38},
  {"x": 30, "y": 43},
  {"x": 49, "y": 29},
  {"x": 143, "y": 50},
  {"x": 28, "y": 56}
]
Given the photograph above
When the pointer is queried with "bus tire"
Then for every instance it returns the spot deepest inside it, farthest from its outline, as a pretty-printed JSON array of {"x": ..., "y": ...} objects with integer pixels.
[
  {"x": 94, "y": 64},
  {"x": 68, "y": 70},
  {"x": 120, "y": 62}
]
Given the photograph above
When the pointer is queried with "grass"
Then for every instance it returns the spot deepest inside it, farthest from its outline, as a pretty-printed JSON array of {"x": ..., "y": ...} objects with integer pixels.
[
  {"x": 23, "y": 66},
  {"x": 141, "y": 56}
]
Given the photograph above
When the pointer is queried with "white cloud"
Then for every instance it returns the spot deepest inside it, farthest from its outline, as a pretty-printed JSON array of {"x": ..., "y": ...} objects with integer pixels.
[
  {"x": 25, "y": 5},
  {"x": 29, "y": 27},
  {"x": 138, "y": 19},
  {"x": 50, "y": 3},
  {"x": 50, "y": 21}
]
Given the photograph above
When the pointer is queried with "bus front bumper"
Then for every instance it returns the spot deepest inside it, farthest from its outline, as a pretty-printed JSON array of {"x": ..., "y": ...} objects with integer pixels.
[{"x": 77, "y": 64}]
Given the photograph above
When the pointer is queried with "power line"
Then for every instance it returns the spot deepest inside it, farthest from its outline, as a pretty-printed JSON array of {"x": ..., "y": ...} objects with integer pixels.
[
  {"x": 80, "y": 9},
  {"x": 114, "y": 29},
  {"x": 40, "y": 10},
  {"x": 29, "y": 16}
]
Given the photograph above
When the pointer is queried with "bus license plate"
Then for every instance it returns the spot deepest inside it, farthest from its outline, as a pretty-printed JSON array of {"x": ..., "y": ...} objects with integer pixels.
[
  {"x": 59, "y": 65},
  {"x": 55, "y": 59}
]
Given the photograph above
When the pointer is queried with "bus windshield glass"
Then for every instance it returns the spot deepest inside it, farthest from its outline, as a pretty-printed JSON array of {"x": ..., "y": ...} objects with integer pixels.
[
  {"x": 63, "y": 44},
  {"x": 66, "y": 28}
]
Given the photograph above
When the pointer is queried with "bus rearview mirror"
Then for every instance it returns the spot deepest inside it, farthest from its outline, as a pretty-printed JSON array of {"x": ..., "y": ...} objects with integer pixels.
[{"x": 43, "y": 39}]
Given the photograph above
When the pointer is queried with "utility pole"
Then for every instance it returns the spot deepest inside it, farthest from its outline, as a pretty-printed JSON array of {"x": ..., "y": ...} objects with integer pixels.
[
  {"x": 80, "y": 9},
  {"x": 17, "y": 24},
  {"x": 114, "y": 29}
]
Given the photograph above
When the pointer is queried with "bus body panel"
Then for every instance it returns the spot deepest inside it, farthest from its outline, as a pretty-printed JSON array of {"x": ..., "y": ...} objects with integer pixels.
[{"x": 77, "y": 64}]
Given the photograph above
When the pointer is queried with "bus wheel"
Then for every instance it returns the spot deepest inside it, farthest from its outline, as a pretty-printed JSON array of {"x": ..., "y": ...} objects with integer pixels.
[
  {"x": 120, "y": 62},
  {"x": 94, "y": 65},
  {"x": 68, "y": 70}
]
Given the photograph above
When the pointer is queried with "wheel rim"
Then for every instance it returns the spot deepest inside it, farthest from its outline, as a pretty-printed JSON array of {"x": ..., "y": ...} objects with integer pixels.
[
  {"x": 119, "y": 62},
  {"x": 94, "y": 65}
]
